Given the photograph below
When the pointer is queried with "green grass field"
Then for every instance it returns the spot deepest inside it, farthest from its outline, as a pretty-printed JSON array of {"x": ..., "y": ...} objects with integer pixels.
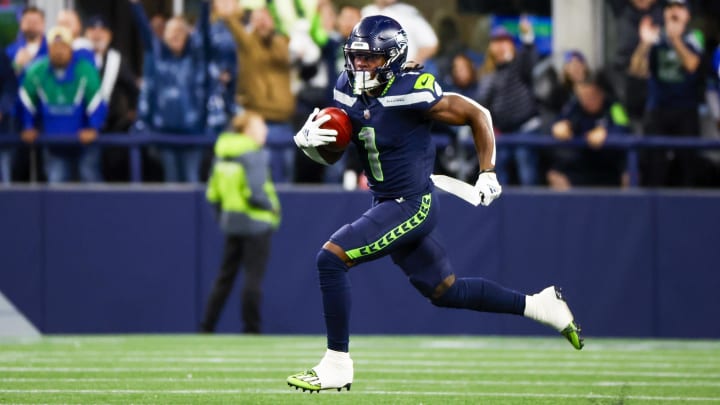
[{"x": 177, "y": 369}]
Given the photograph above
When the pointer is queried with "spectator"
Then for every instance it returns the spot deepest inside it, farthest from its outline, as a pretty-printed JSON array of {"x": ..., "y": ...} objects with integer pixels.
[
  {"x": 264, "y": 83},
  {"x": 8, "y": 89},
  {"x": 222, "y": 67},
  {"x": 506, "y": 90},
  {"x": 632, "y": 90},
  {"x": 463, "y": 76},
  {"x": 60, "y": 96},
  {"x": 422, "y": 41},
  {"x": 594, "y": 116},
  {"x": 451, "y": 45},
  {"x": 670, "y": 59},
  {"x": 81, "y": 45},
  {"x": 575, "y": 70},
  {"x": 248, "y": 212},
  {"x": 173, "y": 97},
  {"x": 30, "y": 45},
  {"x": 119, "y": 91}
]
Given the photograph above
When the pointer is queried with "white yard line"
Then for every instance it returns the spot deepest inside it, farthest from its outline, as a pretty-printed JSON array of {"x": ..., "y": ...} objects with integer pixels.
[
  {"x": 577, "y": 364},
  {"x": 470, "y": 355},
  {"x": 384, "y": 380},
  {"x": 383, "y": 370},
  {"x": 359, "y": 393}
]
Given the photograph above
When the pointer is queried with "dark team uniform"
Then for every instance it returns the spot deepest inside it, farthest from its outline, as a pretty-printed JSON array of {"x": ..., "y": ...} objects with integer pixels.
[{"x": 392, "y": 134}]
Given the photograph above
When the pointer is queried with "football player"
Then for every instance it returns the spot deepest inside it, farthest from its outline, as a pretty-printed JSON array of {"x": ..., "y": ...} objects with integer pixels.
[{"x": 391, "y": 105}]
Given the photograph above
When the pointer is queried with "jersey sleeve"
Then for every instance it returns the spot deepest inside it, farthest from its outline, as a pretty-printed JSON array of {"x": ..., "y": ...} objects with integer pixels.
[
  {"x": 28, "y": 94},
  {"x": 418, "y": 92}
]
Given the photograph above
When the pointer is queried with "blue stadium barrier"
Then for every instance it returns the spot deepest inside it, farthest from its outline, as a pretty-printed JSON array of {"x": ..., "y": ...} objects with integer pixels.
[
  {"x": 631, "y": 144},
  {"x": 138, "y": 258}
]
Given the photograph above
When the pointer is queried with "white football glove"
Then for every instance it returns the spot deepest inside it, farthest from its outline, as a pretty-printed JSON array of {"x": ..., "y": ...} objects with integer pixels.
[
  {"x": 311, "y": 135},
  {"x": 488, "y": 187}
]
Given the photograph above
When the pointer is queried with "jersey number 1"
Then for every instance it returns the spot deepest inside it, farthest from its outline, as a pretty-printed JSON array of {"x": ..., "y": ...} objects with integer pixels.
[{"x": 367, "y": 135}]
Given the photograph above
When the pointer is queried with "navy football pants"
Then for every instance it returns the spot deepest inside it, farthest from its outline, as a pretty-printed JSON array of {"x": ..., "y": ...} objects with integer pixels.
[{"x": 403, "y": 229}]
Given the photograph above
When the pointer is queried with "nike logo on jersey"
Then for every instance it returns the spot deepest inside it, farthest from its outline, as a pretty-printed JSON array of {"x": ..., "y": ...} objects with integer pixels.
[{"x": 425, "y": 81}]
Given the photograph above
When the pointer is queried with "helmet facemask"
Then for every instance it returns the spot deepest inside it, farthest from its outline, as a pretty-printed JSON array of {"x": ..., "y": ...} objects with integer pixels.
[
  {"x": 375, "y": 36},
  {"x": 367, "y": 80}
]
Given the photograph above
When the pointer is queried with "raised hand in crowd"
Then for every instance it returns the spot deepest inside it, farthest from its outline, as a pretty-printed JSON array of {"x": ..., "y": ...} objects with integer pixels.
[
  {"x": 225, "y": 8},
  {"x": 649, "y": 32}
]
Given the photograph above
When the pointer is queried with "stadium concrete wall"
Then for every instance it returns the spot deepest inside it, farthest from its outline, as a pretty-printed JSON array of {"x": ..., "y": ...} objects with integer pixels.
[{"x": 136, "y": 260}]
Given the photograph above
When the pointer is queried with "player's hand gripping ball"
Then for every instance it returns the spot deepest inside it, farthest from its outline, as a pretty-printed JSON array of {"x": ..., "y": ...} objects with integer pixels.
[{"x": 340, "y": 122}]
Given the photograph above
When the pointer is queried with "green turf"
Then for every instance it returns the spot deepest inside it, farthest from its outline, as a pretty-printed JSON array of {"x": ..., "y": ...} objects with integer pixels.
[{"x": 388, "y": 370}]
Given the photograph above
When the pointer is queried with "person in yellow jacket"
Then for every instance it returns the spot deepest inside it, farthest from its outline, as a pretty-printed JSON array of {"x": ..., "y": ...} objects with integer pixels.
[{"x": 248, "y": 212}]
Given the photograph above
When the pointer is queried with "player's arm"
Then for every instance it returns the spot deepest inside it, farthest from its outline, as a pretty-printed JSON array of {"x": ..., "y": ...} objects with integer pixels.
[{"x": 456, "y": 109}]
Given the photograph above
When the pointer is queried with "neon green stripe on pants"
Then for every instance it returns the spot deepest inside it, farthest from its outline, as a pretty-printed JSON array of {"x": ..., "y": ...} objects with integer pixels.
[{"x": 395, "y": 233}]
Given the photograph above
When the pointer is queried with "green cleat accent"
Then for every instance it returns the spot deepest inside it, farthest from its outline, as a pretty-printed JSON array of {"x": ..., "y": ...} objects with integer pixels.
[
  {"x": 572, "y": 334},
  {"x": 308, "y": 380},
  {"x": 572, "y": 331},
  {"x": 301, "y": 380}
]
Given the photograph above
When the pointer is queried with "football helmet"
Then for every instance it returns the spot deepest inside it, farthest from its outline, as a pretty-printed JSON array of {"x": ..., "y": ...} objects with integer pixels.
[{"x": 375, "y": 35}]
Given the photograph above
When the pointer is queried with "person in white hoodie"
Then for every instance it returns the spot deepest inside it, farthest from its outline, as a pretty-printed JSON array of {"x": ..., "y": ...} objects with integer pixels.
[{"x": 422, "y": 40}]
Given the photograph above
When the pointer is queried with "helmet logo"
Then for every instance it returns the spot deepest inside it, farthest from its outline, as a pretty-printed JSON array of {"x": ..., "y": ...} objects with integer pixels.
[{"x": 401, "y": 39}]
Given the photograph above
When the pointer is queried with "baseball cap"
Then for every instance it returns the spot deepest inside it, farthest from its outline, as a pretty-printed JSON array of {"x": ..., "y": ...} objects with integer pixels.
[
  {"x": 97, "y": 21},
  {"x": 60, "y": 33},
  {"x": 499, "y": 33}
]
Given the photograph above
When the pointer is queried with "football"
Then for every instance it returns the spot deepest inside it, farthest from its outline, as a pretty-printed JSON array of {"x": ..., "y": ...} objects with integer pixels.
[{"x": 340, "y": 122}]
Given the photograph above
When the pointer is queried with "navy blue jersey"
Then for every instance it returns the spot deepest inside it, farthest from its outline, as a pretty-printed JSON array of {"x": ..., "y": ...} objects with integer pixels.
[
  {"x": 392, "y": 132},
  {"x": 670, "y": 85}
]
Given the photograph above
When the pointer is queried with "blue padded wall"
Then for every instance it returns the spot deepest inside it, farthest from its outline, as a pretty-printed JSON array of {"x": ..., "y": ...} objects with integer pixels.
[{"x": 114, "y": 260}]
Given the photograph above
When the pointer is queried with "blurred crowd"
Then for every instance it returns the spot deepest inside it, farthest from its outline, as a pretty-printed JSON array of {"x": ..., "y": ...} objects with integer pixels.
[{"x": 281, "y": 59}]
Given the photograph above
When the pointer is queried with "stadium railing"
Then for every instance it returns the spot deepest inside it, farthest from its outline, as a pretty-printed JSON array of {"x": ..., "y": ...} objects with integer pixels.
[{"x": 632, "y": 145}]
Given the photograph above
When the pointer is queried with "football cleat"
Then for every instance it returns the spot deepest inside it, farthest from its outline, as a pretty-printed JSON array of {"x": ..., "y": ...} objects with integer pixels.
[
  {"x": 334, "y": 371},
  {"x": 309, "y": 380},
  {"x": 549, "y": 307}
]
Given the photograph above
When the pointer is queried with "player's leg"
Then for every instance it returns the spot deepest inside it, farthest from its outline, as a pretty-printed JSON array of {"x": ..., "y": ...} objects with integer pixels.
[
  {"x": 335, "y": 369},
  {"x": 254, "y": 266},
  {"x": 385, "y": 227},
  {"x": 232, "y": 255},
  {"x": 427, "y": 266},
  {"x": 430, "y": 271}
]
